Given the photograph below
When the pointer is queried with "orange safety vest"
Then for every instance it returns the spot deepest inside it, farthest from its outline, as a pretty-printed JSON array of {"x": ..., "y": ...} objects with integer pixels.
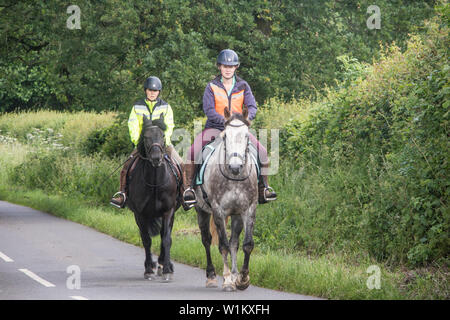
[{"x": 222, "y": 101}]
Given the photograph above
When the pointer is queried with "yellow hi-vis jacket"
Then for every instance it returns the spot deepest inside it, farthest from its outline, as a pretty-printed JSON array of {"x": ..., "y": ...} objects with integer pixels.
[{"x": 156, "y": 108}]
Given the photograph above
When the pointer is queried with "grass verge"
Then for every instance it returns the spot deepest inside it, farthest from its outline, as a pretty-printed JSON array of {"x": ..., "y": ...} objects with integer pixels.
[{"x": 326, "y": 276}]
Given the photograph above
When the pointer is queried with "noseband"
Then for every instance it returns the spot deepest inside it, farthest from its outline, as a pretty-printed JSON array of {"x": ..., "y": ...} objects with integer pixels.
[
  {"x": 151, "y": 147},
  {"x": 235, "y": 154}
]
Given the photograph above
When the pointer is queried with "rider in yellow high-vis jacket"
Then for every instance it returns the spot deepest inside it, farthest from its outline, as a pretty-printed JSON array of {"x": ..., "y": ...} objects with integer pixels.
[
  {"x": 152, "y": 106},
  {"x": 156, "y": 108}
]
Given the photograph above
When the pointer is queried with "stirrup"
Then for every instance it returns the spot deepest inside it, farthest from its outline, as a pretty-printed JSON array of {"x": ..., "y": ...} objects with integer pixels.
[
  {"x": 190, "y": 202},
  {"x": 124, "y": 200},
  {"x": 270, "y": 190}
]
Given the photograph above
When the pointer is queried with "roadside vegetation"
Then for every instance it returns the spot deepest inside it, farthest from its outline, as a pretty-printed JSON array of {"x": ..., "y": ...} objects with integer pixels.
[{"x": 363, "y": 178}]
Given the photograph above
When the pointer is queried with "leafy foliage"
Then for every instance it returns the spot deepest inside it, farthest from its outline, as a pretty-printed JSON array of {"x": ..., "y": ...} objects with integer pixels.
[
  {"x": 388, "y": 127},
  {"x": 286, "y": 47}
]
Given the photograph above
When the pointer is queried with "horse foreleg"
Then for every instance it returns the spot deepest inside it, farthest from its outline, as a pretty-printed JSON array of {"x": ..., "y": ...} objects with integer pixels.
[
  {"x": 166, "y": 243},
  {"x": 149, "y": 265},
  {"x": 203, "y": 218},
  {"x": 236, "y": 228},
  {"x": 161, "y": 253},
  {"x": 224, "y": 249},
  {"x": 243, "y": 280}
]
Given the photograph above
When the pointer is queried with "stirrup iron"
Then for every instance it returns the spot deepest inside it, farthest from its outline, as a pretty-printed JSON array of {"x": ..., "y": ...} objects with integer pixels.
[
  {"x": 190, "y": 202},
  {"x": 268, "y": 188},
  {"x": 124, "y": 200}
]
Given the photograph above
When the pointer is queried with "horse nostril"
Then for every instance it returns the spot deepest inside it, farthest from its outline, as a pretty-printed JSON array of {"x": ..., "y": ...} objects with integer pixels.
[{"x": 235, "y": 169}]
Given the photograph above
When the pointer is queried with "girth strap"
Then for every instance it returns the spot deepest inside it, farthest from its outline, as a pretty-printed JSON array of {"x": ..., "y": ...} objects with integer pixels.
[{"x": 176, "y": 173}]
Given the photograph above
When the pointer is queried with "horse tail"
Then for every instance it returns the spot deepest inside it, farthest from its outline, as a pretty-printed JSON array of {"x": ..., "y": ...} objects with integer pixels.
[
  {"x": 213, "y": 230},
  {"x": 154, "y": 227}
]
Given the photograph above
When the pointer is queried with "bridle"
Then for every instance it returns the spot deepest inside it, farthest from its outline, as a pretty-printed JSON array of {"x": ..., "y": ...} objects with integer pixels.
[
  {"x": 244, "y": 157},
  {"x": 157, "y": 145}
]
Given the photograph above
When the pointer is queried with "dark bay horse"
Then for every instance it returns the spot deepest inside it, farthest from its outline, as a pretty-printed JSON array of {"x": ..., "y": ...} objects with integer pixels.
[
  {"x": 152, "y": 196},
  {"x": 231, "y": 189}
]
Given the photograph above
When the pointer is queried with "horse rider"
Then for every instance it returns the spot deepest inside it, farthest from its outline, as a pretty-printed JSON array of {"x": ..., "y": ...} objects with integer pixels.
[
  {"x": 230, "y": 91},
  {"x": 152, "y": 105}
]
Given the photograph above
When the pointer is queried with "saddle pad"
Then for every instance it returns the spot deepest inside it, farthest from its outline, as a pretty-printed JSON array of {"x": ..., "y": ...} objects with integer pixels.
[{"x": 209, "y": 149}]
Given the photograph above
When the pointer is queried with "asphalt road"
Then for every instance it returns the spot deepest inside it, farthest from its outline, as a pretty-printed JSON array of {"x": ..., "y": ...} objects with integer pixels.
[{"x": 43, "y": 257}]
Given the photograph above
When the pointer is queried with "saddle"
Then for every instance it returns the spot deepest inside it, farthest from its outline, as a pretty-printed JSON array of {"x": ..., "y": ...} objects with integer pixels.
[{"x": 208, "y": 150}]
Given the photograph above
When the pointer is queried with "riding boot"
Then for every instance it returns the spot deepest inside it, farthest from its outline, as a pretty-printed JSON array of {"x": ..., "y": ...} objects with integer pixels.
[
  {"x": 119, "y": 198},
  {"x": 265, "y": 192},
  {"x": 189, "y": 197}
]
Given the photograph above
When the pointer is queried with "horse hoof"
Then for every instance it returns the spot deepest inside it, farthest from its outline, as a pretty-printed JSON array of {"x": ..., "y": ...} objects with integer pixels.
[
  {"x": 167, "y": 277},
  {"x": 149, "y": 276},
  {"x": 212, "y": 283},
  {"x": 228, "y": 288},
  {"x": 242, "y": 285},
  {"x": 160, "y": 271}
]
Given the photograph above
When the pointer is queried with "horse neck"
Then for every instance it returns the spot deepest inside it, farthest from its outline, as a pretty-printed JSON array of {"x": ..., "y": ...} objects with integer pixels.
[{"x": 154, "y": 175}]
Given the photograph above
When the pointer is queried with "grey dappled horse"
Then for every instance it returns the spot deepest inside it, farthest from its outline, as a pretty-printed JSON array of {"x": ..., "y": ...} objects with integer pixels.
[
  {"x": 152, "y": 196},
  {"x": 231, "y": 186}
]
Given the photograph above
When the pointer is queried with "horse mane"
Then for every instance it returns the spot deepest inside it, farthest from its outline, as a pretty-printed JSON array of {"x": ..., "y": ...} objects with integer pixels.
[{"x": 237, "y": 116}]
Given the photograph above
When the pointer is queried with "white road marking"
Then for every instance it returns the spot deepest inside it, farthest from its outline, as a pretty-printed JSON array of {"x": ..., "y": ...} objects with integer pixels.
[
  {"x": 5, "y": 257},
  {"x": 37, "y": 278},
  {"x": 79, "y": 298}
]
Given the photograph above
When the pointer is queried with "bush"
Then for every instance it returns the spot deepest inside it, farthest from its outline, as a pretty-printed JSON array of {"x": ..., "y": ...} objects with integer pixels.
[
  {"x": 66, "y": 172},
  {"x": 387, "y": 127},
  {"x": 111, "y": 141}
]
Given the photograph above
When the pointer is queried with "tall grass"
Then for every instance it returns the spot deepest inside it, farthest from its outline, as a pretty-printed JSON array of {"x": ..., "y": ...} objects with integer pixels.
[
  {"x": 325, "y": 276},
  {"x": 74, "y": 127},
  {"x": 299, "y": 243}
]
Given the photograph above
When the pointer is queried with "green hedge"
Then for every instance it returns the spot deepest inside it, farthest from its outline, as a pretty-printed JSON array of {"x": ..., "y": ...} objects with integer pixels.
[{"x": 380, "y": 145}]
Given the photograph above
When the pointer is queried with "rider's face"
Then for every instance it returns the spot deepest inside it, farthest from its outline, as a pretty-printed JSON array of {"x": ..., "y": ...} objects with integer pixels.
[
  {"x": 151, "y": 94},
  {"x": 227, "y": 71}
]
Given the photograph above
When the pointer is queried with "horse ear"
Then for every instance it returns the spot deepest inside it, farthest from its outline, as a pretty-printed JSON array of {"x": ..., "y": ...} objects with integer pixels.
[
  {"x": 226, "y": 113},
  {"x": 161, "y": 117},
  {"x": 245, "y": 112}
]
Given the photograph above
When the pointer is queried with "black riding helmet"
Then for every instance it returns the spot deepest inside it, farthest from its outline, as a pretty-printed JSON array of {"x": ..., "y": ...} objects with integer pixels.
[
  {"x": 228, "y": 57},
  {"x": 153, "y": 83}
]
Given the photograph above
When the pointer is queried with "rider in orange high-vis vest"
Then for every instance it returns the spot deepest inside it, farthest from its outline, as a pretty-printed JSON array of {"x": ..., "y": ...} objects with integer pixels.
[{"x": 227, "y": 90}]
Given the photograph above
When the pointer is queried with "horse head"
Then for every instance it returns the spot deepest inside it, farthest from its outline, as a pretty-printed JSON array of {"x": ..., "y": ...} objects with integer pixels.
[
  {"x": 152, "y": 140},
  {"x": 236, "y": 139}
]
